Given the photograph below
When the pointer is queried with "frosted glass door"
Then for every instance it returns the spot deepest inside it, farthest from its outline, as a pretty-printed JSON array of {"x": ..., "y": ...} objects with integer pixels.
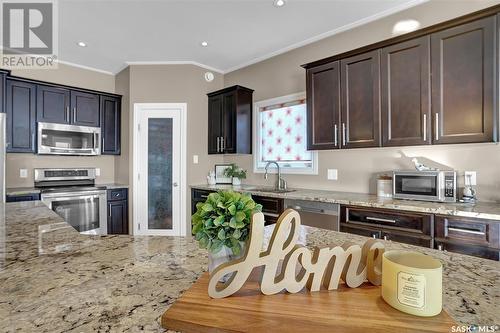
[{"x": 158, "y": 177}]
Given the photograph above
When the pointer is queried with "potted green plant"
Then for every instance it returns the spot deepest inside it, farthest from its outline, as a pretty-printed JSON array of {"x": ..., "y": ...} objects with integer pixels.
[
  {"x": 236, "y": 173},
  {"x": 221, "y": 225}
]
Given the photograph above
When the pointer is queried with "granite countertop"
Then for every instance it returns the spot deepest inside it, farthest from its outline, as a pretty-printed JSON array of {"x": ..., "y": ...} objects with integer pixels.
[
  {"x": 29, "y": 190},
  {"x": 52, "y": 279},
  {"x": 486, "y": 210}
]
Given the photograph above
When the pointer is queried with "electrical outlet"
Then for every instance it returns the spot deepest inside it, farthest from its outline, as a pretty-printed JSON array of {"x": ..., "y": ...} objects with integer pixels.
[
  {"x": 195, "y": 159},
  {"x": 23, "y": 173},
  {"x": 470, "y": 178},
  {"x": 97, "y": 172},
  {"x": 332, "y": 174}
]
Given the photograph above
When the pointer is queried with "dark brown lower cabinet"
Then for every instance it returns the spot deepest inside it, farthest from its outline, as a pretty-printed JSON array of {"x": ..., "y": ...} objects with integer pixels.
[
  {"x": 477, "y": 237},
  {"x": 399, "y": 226},
  {"x": 271, "y": 207},
  {"x": 117, "y": 211}
]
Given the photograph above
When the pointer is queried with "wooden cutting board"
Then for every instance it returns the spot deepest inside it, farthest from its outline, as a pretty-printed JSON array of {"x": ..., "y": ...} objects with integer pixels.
[{"x": 349, "y": 310}]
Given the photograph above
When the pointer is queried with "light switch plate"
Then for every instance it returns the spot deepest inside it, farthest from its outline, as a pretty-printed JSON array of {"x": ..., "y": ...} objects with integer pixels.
[
  {"x": 195, "y": 159},
  {"x": 332, "y": 174},
  {"x": 470, "y": 178},
  {"x": 97, "y": 172},
  {"x": 23, "y": 173}
]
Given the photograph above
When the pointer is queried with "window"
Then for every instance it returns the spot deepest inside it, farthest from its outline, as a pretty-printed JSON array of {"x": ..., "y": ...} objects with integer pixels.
[{"x": 281, "y": 135}]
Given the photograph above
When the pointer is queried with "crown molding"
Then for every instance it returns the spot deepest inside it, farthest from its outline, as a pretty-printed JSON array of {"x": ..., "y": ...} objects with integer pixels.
[
  {"x": 72, "y": 64},
  {"x": 188, "y": 62}
]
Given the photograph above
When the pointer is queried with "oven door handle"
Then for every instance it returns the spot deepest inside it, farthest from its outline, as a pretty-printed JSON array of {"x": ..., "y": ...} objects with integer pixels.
[{"x": 72, "y": 195}]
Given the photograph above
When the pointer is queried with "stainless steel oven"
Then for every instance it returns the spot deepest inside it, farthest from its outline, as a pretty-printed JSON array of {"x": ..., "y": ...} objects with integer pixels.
[
  {"x": 73, "y": 195},
  {"x": 84, "y": 210},
  {"x": 58, "y": 139},
  {"x": 436, "y": 185}
]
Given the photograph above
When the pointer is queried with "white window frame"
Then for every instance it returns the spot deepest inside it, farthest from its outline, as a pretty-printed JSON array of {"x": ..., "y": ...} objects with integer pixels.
[{"x": 257, "y": 138}]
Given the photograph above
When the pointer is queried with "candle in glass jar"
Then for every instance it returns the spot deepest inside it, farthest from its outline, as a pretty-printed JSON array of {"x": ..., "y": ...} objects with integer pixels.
[{"x": 412, "y": 282}]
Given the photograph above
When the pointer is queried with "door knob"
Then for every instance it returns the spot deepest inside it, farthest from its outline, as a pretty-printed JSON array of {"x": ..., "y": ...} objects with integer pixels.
[{"x": 175, "y": 184}]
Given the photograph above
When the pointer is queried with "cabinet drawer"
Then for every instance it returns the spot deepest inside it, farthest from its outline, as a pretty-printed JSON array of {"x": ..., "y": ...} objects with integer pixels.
[
  {"x": 407, "y": 221},
  {"x": 367, "y": 232},
  {"x": 472, "y": 250},
  {"x": 269, "y": 205},
  {"x": 117, "y": 194},
  {"x": 468, "y": 230}
]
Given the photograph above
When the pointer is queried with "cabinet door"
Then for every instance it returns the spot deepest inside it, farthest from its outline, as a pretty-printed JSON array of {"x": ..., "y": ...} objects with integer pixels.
[
  {"x": 2, "y": 91},
  {"x": 110, "y": 125},
  {"x": 463, "y": 76},
  {"x": 214, "y": 124},
  {"x": 118, "y": 217},
  {"x": 84, "y": 108},
  {"x": 53, "y": 105},
  {"x": 405, "y": 93},
  {"x": 21, "y": 103},
  {"x": 323, "y": 106},
  {"x": 360, "y": 109},
  {"x": 229, "y": 123}
]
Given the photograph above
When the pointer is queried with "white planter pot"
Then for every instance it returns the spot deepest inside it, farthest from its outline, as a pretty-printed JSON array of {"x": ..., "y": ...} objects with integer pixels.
[
  {"x": 236, "y": 181},
  {"x": 223, "y": 256}
]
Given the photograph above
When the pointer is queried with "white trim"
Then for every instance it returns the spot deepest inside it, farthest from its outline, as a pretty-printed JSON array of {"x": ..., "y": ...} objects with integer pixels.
[
  {"x": 85, "y": 67},
  {"x": 138, "y": 107},
  {"x": 327, "y": 34},
  {"x": 181, "y": 62},
  {"x": 256, "y": 136}
]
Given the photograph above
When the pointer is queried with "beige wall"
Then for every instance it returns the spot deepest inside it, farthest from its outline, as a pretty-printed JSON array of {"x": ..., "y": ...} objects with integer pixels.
[
  {"x": 73, "y": 76},
  {"x": 283, "y": 75},
  {"x": 173, "y": 84},
  {"x": 122, "y": 87}
]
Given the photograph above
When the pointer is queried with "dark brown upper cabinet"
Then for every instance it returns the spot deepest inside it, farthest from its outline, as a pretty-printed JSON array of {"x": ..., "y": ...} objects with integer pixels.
[
  {"x": 463, "y": 83},
  {"x": 53, "y": 105},
  {"x": 110, "y": 125},
  {"x": 85, "y": 108},
  {"x": 230, "y": 121},
  {"x": 360, "y": 96},
  {"x": 323, "y": 106},
  {"x": 21, "y": 123},
  {"x": 405, "y": 93}
]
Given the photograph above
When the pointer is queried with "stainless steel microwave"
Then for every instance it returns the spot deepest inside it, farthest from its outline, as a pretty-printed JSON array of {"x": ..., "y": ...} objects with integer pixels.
[
  {"x": 438, "y": 186},
  {"x": 59, "y": 139}
]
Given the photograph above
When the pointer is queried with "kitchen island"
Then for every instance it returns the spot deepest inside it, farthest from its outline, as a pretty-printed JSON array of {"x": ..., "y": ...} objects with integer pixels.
[{"x": 52, "y": 279}]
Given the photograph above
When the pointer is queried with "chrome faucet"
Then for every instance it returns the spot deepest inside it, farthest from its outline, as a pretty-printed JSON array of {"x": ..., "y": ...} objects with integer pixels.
[{"x": 280, "y": 182}]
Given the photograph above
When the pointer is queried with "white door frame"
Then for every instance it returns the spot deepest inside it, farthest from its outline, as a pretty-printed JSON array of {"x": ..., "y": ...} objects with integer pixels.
[{"x": 182, "y": 107}]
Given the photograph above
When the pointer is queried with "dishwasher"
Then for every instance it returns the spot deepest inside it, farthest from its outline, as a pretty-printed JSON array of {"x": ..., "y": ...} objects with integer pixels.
[{"x": 316, "y": 214}]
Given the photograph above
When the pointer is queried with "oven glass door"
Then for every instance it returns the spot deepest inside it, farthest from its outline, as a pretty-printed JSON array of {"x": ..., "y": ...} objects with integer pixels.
[
  {"x": 81, "y": 212},
  {"x": 413, "y": 185}
]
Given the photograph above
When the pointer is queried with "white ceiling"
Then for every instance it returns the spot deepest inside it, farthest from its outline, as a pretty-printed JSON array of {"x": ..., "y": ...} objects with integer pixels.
[{"x": 239, "y": 32}]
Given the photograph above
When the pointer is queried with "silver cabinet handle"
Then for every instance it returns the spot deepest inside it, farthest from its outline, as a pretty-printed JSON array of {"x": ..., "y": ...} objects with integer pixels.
[
  {"x": 436, "y": 134},
  {"x": 343, "y": 134},
  {"x": 385, "y": 237},
  {"x": 335, "y": 133},
  {"x": 67, "y": 113},
  {"x": 109, "y": 212},
  {"x": 74, "y": 113},
  {"x": 222, "y": 144},
  {"x": 440, "y": 247},
  {"x": 374, "y": 236},
  {"x": 467, "y": 231},
  {"x": 377, "y": 219},
  {"x": 425, "y": 127},
  {"x": 218, "y": 144}
]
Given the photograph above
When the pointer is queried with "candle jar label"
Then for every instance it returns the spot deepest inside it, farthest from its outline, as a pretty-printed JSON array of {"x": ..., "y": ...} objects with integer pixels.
[{"x": 411, "y": 289}]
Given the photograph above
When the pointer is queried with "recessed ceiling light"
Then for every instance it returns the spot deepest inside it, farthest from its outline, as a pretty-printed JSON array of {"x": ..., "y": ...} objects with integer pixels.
[
  {"x": 405, "y": 26},
  {"x": 204, "y": 44},
  {"x": 82, "y": 44},
  {"x": 279, "y": 3}
]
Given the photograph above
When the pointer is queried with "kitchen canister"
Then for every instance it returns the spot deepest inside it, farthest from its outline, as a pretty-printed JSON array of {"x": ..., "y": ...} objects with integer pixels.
[
  {"x": 384, "y": 186},
  {"x": 412, "y": 282}
]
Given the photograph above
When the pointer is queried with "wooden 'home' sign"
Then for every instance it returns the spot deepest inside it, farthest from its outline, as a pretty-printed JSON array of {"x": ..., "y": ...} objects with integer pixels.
[{"x": 352, "y": 263}]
